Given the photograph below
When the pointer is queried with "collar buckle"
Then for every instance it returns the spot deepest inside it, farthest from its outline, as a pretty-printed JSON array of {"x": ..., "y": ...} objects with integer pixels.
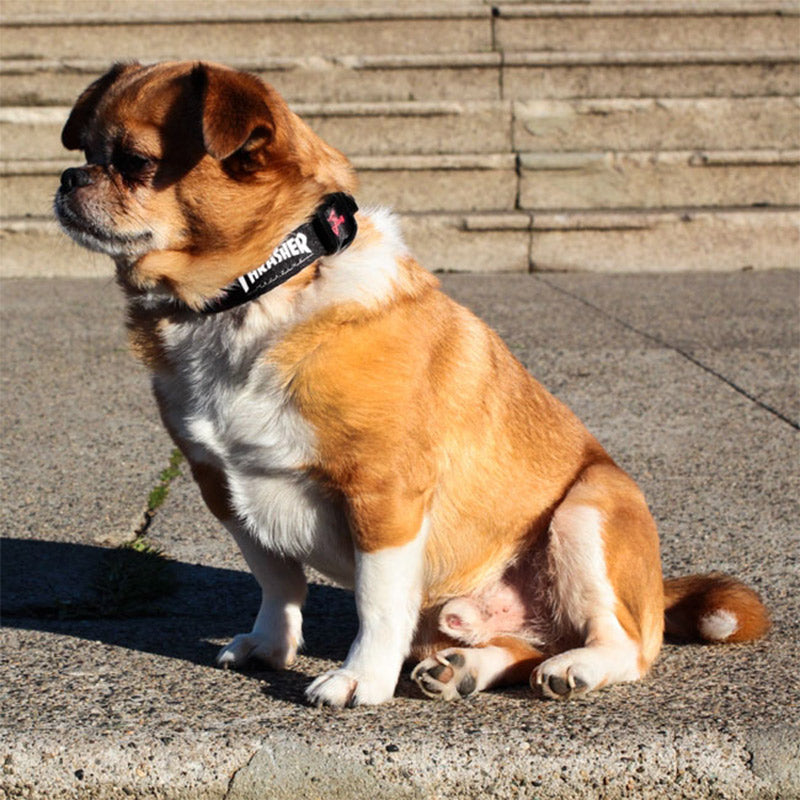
[{"x": 334, "y": 222}]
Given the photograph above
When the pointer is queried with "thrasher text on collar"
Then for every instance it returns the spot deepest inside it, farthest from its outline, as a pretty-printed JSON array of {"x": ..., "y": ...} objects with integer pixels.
[{"x": 294, "y": 246}]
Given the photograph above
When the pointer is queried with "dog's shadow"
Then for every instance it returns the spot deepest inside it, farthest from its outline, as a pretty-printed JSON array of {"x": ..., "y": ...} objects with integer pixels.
[{"x": 141, "y": 601}]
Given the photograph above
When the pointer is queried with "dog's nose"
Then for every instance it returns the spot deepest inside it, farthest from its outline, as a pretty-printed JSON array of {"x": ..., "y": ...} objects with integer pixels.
[{"x": 74, "y": 177}]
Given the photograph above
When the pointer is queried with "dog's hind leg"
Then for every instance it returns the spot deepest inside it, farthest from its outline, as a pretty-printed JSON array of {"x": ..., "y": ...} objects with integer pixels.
[{"x": 606, "y": 585}]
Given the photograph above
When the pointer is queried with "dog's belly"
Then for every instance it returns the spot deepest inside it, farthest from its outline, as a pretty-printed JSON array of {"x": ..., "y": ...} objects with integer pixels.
[{"x": 501, "y": 608}]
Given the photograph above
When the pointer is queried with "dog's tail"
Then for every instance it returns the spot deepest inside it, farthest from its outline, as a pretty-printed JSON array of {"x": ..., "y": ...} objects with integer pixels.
[{"x": 713, "y": 608}]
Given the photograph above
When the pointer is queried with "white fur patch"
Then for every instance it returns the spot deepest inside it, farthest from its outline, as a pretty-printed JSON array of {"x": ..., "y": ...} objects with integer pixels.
[
  {"x": 366, "y": 275},
  {"x": 578, "y": 565},
  {"x": 229, "y": 406},
  {"x": 388, "y": 594},
  {"x": 585, "y": 602},
  {"x": 719, "y": 625},
  {"x": 277, "y": 630}
]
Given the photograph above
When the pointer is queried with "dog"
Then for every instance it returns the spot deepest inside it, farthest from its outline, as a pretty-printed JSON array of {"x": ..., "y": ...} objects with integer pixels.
[{"x": 339, "y": 411}]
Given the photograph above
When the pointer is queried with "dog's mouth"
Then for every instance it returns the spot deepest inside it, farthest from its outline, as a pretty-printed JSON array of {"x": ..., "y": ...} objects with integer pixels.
[{"x": 92, "y": 235}]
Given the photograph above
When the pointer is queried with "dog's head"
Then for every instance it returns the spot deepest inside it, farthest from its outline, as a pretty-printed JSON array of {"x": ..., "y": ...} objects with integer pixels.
[{"x": 194, "y": 172}]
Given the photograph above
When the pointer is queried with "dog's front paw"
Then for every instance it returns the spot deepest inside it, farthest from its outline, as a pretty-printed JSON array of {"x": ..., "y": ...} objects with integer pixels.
[
  {"x": 335, "y": 688},
  {"x": 258, "y": 647},
  {"x": 342, "y": 688}
]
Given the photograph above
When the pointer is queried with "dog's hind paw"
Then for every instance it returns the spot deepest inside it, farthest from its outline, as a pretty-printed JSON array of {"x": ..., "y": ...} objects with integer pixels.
[
  {"x": 577, "y": 672},
  {"x": 446, "y": 676}
]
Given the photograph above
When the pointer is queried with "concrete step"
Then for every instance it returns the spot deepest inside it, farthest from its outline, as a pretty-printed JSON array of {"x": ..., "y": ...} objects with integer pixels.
[
  {"x": 458, "y": 76},
  {"x": 651, "y": 124},
  {"x": 666, "y": 241},
  {"x": 309, "y": 79},
  {"x": 622, "y": 241},
  {"x": 657, "y": 180},
  {"x": 505, "y": 182},
  {"x": 683, "y": 73},
  {"x": 648, "y": 26},
  {"x": 715, "y": 123},
  {"x": 225, "y": 31}
]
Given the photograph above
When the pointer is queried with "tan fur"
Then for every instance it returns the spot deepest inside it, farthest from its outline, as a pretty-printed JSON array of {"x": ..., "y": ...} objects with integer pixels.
[
  {"x": 632, "y": 558},
  {"x": 469, "y": 430},
  {"x": 412, "y": 417},
  {"x": 214, "y": 488}
]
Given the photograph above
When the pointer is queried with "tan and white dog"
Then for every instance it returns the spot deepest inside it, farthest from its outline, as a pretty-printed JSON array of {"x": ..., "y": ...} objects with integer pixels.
[{"x": 355, "y": 419}]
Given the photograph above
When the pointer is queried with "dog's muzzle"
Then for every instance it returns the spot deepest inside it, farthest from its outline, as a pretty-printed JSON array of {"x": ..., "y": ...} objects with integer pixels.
[{"x": 74, "y": 177}]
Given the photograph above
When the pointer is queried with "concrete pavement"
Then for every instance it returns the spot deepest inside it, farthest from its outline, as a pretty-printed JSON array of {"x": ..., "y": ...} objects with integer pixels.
[{"x": 108, "y": 683}]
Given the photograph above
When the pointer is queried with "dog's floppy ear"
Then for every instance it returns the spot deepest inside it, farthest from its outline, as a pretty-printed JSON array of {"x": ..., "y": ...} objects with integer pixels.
[
  {"x": 71, "y": 135},
  {"x": 235, "y": 111}
]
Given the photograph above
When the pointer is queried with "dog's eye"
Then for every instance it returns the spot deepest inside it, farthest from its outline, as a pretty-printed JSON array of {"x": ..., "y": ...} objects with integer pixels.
[
  {"x": 129, "y": 164},
  {"x": 94, "y": 157}
]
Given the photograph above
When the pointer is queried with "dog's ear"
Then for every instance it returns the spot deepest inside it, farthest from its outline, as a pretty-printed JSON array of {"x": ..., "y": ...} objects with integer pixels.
[
  {"x": 81, "y": 114},
  {"x": 236, "y": 116}
]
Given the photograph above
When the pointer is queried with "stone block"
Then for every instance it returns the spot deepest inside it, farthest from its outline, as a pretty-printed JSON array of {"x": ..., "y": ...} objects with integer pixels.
[
  {"x": 659, "y": 180},
  {"x": 445, "y": 242},
  {"x": 657, "y": 124},
  {"x": 412, "y": 128},
  {"x": 648, "y": 27},
  {"x": 304, "y": 79},
  {"x": 438, "y": 183},
  {"x": 227, "y": 39},
  {"x": 666, "y": 241},
  {"x": 587, "y": 75}
]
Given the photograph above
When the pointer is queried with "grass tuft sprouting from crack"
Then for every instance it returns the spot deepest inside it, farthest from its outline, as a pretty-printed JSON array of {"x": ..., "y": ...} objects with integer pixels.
[
  {"x": 158, "y": 494},
  {"x": 133, "y": 576},
  {"x": 130, "y": 578},
  {"x": 128, "y": 581}
]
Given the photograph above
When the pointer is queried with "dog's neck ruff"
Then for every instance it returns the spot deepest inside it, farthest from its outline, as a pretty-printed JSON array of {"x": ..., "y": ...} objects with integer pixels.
[{"x": 331, "y": 230}]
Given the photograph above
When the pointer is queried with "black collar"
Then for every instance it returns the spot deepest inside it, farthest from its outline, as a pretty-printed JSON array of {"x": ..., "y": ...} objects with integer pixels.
[{"x": 331, "y": 230}]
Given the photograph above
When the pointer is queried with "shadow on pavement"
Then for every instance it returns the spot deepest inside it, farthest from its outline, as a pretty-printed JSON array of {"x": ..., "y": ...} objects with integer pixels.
[{"x": 165, "y": 607}]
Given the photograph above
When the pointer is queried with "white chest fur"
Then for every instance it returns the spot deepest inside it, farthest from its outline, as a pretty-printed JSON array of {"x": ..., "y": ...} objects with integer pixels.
[{"x": 225, "y": 401}]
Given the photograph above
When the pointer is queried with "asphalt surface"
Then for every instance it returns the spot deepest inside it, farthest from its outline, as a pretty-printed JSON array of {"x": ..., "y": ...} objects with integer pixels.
[{"x": 108, "y": 687}]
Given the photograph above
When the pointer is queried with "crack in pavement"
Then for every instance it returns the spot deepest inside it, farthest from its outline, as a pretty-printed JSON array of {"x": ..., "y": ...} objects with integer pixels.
[
  {"x": 160, "y": 491},
  {"x": 674, "y": 348}
]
